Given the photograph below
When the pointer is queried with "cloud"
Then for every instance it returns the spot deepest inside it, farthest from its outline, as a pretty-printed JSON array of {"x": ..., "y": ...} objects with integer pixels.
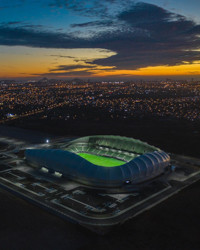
[
  {"x": 72, "y": 67},
  {"x": 93, "y": 8},
  {"x": 152, "y": 36},
  {"x": 142, "y": 35},
  {"x": 36, "y": 38},
  {"x": 81, "y": 73},
  {"x": 14, "y": 23},
  {"x": 83, "y": 7},
  {"x": 91, "y": 24},
  {"x": 72, "y": 57},
  {"x": 141, "y": 13}
]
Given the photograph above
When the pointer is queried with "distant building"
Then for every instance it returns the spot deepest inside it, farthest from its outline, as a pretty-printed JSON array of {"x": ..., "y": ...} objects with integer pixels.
[{"x": 103, "y": 161}]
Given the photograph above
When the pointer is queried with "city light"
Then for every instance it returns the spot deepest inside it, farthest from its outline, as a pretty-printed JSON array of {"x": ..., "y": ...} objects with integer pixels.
[{"x": 66, "y": 101}]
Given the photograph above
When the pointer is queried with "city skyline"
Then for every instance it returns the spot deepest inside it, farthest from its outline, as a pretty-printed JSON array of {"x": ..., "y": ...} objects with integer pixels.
[{"x": 92, "y": 39}]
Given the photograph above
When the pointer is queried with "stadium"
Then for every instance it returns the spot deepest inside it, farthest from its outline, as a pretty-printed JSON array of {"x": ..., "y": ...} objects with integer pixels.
[{"x": 102, "y": 161}]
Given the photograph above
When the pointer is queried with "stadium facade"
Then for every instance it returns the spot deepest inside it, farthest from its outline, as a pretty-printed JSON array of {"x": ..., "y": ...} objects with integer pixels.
[{"x": 103, "y": 161}]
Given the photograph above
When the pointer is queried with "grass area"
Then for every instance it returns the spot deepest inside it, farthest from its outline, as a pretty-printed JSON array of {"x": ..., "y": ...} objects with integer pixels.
[{"x": 101, "y": 160}]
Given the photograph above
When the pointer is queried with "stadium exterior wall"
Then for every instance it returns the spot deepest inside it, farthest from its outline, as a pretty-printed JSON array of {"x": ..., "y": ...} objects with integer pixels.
[{"x": 141, "y": 169}]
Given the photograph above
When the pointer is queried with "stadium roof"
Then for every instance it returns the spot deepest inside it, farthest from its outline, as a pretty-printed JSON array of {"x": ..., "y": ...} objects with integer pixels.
[{"x": 140, "y": 162}]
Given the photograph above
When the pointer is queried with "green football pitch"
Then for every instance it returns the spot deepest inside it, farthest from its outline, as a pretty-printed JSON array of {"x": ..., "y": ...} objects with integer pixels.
[{"x": 101, "y": 160}]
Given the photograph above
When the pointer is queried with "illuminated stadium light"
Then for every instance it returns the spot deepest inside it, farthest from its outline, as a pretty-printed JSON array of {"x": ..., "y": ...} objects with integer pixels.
[
  {"x": 58, "y": 174},
  {"x": 45, "y": 170}
]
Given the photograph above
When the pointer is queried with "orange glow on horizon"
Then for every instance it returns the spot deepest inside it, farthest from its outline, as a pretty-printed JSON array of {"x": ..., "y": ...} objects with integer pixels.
[
  {"x": 24, "y": 62},
  {"x": 184, "y": 69}
]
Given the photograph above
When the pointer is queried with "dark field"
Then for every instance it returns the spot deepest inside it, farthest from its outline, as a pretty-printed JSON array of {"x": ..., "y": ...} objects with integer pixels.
[
  {"x": 173, "y": 224},
  {"x": 3, "y": 146}
]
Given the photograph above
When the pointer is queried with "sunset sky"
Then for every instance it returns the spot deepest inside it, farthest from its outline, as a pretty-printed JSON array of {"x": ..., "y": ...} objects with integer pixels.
[{"x": 99, "y": 39}]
